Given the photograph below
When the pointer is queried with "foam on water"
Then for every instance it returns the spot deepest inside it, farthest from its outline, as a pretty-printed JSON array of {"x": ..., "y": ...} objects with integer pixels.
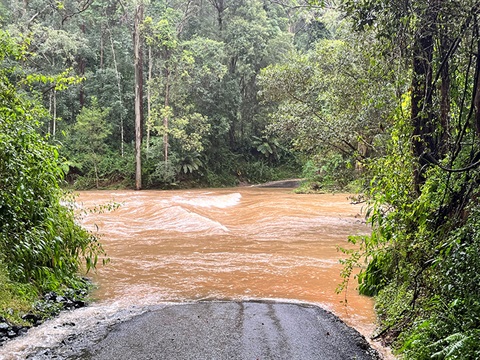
[{"x": 208, "y": 200}]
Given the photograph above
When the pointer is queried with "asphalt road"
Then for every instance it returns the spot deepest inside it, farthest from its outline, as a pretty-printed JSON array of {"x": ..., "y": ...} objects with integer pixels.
[{"x": 224, "y": 330}]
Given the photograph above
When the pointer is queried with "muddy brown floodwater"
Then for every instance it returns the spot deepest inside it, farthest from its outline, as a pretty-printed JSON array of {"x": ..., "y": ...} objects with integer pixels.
[{"x": 227, "y": 244}]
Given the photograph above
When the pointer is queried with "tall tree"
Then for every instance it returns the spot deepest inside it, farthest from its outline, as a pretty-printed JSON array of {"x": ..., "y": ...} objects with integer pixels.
[
  {"x": 88, "y": 138},
  {"x": 138, "y": 53},
  {"x": 94, "y": 39}
]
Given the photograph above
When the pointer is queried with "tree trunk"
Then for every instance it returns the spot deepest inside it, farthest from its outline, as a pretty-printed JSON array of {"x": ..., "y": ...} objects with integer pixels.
[
  {"x": 165, "y": 118},
  {"x": 421, "y": 113},
  {"x": 81, "y": 70},
  {"x": 25, "y": 9},
  {"x": 137, "y": 43},
  {"x": 476, "y": 99},
  {"x": 97, "y": 182},
  {"x": 149, "y": 97},
  {"x": 54, "y": 124},
  {"x": 119, "y": 87},
  {"x": 50, "y": 111},
  {"x": 102, "y": 49},
  {"x": 444, "y": 97},
  {"x": 219, "y": 5}
]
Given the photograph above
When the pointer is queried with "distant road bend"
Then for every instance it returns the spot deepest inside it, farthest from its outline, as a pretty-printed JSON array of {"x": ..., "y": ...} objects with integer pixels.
[{"x": 287, "y": 184}]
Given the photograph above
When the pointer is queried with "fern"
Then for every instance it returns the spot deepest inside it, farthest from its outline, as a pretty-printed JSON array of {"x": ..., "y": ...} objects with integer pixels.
[{"x": 456, "y": 343}]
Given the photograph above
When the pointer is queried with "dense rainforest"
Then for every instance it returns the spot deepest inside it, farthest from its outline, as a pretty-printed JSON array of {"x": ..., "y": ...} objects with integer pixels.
[
  {"x": 384, "y": 95},
  {"x": 166, "y": 92}
]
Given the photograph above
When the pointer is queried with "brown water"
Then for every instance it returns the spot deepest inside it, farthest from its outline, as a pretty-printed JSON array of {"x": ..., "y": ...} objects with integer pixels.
[{"x": 242, "y": 243}]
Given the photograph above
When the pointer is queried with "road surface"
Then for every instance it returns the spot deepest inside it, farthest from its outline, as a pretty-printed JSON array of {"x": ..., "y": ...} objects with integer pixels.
[{"x": 222, "y": 330}]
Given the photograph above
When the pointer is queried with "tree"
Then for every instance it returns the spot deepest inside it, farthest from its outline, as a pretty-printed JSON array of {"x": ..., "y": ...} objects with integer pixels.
[
  {"x": 138, "y": 93},
  {"x": 164, "y": 39},
  {"x": 320, "y": 102},
  {"x": 423, "y": 251},
  {"x": 94, "y": 39},
  {"x": 89, "y": 134},
  {"x": 249, "y": 35},
  {"x": 180, "y": 93}
]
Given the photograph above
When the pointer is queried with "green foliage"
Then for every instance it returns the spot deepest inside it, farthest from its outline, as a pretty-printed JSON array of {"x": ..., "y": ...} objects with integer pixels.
[
  {"x": 40, "y": 242},
  {"x": 424, "y": 271},
  {"x": 257, "y": 172},
  {"x": 191, "y": 163},
  {"x": 91, "y": 129},
  {"x": 216, "y": 179},
  {"x": 451, "y": 321},
  {"x": 269, "y": 147},
  {"x": 187, "y": 132},
  {"x": 89, "y": 152},
  {"x": 113, "y": 171},
  {"x": 329, "y": 171},
  {"x": 18, "y": 297},
  {"x": 201, "y": 62},
  {"x": 166, "y": 172},
  {"x": 322, "y": 101},
  {"x": 322, "y": 106},
  {"x": 162, "y": 33},
  {"x": 423, "y": 253}
]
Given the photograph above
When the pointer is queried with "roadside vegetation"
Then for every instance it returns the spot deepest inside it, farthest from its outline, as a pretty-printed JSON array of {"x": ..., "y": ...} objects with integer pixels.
[
  {"x": 423, "y": 254},
  {"x": 369, "y": 96},
  {"x": 42, "y": 247}
]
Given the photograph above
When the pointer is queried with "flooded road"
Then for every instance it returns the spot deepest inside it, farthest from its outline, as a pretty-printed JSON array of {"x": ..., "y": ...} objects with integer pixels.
[
  {"x": 239, "y": 244},
  {"x": 227, "y": 244}
]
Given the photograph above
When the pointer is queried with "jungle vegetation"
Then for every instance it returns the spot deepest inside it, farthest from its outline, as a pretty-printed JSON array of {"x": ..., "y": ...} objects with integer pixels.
[
  {"x": 423, "y": 254},
  {"x": 136, "y": 94},
  {"x": 42, "y": 247},
  {"x": 381, "y": 94}
]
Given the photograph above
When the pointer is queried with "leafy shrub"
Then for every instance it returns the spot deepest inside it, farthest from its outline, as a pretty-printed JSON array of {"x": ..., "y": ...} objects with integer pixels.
[
  {"x": 257, "y": 172},
  {"x": 327, "y": 172},
  {"x": 40, "y": 242}
]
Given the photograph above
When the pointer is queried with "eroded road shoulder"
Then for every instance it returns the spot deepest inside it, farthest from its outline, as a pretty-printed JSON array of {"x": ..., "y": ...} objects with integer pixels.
[{"x": 222, "y": 330}]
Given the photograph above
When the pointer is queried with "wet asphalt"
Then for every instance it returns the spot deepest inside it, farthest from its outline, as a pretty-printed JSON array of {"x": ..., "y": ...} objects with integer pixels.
[{"x": 226, "y": 330}]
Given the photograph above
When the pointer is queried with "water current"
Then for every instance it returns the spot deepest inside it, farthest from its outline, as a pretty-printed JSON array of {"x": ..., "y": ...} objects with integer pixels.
[
  {"x": 242, "y": 243},
  {"x": 221, "y": 244}
]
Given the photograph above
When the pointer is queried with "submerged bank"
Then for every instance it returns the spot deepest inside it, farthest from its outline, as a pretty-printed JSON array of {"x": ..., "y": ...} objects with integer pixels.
[{"x": 199, "y": 330}]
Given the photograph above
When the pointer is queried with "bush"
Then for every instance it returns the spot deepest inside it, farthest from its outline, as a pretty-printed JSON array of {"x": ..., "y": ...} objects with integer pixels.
[
  {"x": 40, "y": 242},
  {"x": 331, "y": 172}
]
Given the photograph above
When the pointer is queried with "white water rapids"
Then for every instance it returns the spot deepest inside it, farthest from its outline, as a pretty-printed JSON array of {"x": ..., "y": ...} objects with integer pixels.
[{"x": 216, "y": 244}]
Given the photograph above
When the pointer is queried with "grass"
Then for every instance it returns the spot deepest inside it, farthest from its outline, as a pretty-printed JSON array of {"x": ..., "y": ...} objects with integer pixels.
[{"x": 15, "y": 299}]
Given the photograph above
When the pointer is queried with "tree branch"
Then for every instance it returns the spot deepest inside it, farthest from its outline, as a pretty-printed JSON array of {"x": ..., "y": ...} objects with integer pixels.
[
  {"x": 429, "y": 157},
  {"x": 85, "y": 6},
  {"x": 293, "y": 7}
]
